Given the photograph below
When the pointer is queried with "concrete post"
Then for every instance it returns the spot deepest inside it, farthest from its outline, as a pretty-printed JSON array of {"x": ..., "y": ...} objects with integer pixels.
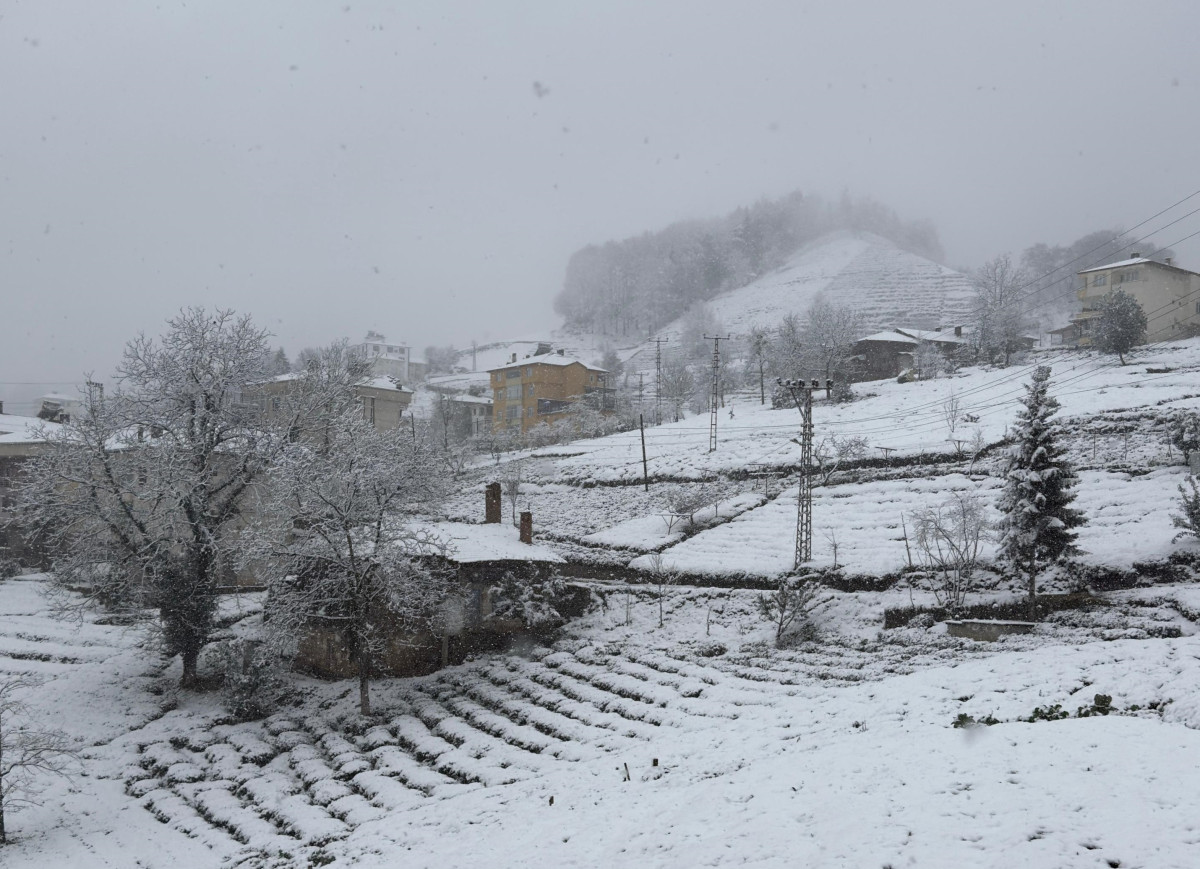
[
  {"x": 492, "y": 504},
  {"x": 526, "y": 527}
]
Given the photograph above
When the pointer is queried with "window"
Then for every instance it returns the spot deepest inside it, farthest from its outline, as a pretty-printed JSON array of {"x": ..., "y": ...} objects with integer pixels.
[
  {"x": 514, "y": 391},
  {"x": 499, "y": 395},
  {"x": 1127, "y": 277},
  {"x": 512, "y": 411},
  {"x": 529, "y": 387},
  {"x": 529, "y": 411},
  {"x": 529, "y": 372},
  {"x": 1198, "y": 307},
  {"x": 369, "y": 410},
  {"x": 512, "y": 372},
  {"x": 1099, "y": 280}
]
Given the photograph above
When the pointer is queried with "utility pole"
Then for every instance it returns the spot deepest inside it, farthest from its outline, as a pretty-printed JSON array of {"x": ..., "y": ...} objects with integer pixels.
[
  {"x": 802, "y": 394},
  {"x": 658, "y": 342},
  {"x": 716, "y": 390},
  {"x": 645, "y": 465},
  {"x": 641, "y": 389}
]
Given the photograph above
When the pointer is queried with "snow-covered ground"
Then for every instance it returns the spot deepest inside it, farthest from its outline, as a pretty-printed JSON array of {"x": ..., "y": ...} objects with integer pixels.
[
  {"x": 626, "y": 744},
  {"x": 590, "y": 491},
  {"x": 695, "y": 743}
]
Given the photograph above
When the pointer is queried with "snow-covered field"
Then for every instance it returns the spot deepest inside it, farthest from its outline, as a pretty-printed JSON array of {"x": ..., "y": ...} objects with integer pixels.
[
  {"x": 626, "y": 744},
  {"x": 695, "y": 743},
  {"x": 590, "y": 491}
]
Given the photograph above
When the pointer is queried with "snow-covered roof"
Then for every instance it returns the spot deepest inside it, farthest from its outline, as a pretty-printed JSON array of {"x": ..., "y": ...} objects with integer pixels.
[
  {"x": 1125, "y": 262},
  {"x": 466, "y": 398},
  {"x": 548, "y": 359},
  {"x": 468, "y": 543},
  {"x": 894, "y": 337},
  {"x": 932, "y": 335},
  {"x": 375, "y": 382},
  {"x": 382, "y": 383},
  {"x": 24, "y": 429}
]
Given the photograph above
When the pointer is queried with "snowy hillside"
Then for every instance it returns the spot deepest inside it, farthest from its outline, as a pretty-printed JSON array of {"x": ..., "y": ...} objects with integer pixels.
[
  {"x": 588, "y": 493},
  {"x": 624, "y": 742},
  {"x": 888, "y": 286},
  {"x": 630, "y": 745}
]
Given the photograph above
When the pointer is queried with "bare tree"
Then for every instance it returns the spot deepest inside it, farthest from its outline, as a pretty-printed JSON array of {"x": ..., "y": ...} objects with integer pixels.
[
  {"x": 833, "y": 452},
  {"x": 335, "y": 543},
  {"x": 930, "y": 361},
  {"x": 759, "y": 358},
  {"x": 27, "y": 751},
  {"x": 511, "y": 483},
  {"x": 952, "y": 413},
  {"x": 683, "y": 501},
  {"x": 662, "y": 576},
  {"x": 949, "y": 536},
  {"x": 676, "y": 385},
  {"x": 829, "y": 336},
  {"x": 142, "y": 498},
  {"x": 999, "y": 313},
  {"x": 792, "y": 600}
]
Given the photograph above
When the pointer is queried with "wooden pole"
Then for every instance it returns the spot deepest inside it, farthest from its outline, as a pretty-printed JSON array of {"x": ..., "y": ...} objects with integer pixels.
[{"x": 645, "y": 466}]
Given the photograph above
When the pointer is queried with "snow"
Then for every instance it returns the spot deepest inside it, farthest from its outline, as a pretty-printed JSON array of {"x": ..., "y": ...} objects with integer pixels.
[
  {"x": 24, "y": 429},
  {"x": 495, "y": 542},
  {"x": 1125, "y": 262},
  {"x": 839, "y": 753},
  {"x": 888, "y": 286},
  {"x": 552, "y": 359}
]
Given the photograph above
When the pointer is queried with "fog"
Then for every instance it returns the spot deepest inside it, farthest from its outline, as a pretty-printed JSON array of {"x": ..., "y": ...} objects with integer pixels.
[{"x": 426, "y": 169}]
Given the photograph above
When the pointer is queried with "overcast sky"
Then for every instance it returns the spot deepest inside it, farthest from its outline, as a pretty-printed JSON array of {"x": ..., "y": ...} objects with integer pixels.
[{"x": 426, "y": 168}]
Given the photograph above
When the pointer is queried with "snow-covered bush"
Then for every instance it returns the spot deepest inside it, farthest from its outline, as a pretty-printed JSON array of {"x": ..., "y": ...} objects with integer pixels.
[
  {"x": 1183, "y": 429},
  {"x": 254, "y": 681},
  {"x": 9, "y": 567},
  {"x": 949, "y": 537},
  {"x": 791, "y": 603},
  {"x": 534, "y": 603},
  {"x": 683, "y": 501},
  {"x": 1189, "y": 520}
]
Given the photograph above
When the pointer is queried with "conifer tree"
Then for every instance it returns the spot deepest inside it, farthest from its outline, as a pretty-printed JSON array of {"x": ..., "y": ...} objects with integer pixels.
[{"x": 1037, "y": 516}]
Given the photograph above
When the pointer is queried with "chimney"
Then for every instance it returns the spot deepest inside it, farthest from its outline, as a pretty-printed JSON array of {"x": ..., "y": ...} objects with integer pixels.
[
  {"x": 527, "y": 527},
  {"x": 514, "y": 359},
  {"x": 561, "y": 353},
  {"x": 1, "y": 407},
  {"x": 491, "y": 504},
  {"x": 1136, "y": 255},
  {"x": 1170, "y": 260},
  {"x": 958, "y": 331}
]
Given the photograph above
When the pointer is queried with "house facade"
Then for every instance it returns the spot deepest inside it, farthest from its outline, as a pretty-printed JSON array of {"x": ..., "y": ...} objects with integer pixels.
[
  {"x": 389, "y": 360},
  {"x": 383, "y": 401},
  {"x": 21, "y": 439},
  {"x": 541, "y": 389},
  {"x": 1169, "y": 296}
]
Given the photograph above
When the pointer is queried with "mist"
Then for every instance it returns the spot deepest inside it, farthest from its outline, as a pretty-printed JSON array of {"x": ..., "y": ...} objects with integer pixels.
[{"x": 428, "y": 171}]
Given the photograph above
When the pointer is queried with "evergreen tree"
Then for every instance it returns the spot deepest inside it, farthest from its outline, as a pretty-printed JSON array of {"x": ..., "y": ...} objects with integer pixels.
[
  {"x": 1122, "y": 324},
  {"x": 1037, "y": 521}
]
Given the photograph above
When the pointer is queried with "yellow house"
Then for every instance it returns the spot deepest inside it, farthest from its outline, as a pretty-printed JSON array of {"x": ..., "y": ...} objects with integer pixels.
[
  {"x": 1169, "y": 296},
  {"x": 541, "y": 389}
]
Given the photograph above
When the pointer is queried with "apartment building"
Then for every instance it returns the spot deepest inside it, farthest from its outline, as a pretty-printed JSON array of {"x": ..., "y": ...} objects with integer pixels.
[
  {"x": 541, "y": 388},
  {"x": 1169, "y": 295}
]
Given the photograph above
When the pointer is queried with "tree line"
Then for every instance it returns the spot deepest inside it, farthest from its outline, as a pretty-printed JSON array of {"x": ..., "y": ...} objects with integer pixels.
[{"x": 637, "y": 285}]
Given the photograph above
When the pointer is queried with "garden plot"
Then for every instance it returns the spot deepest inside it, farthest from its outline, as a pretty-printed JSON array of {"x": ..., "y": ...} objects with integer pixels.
[
  {"x": 659, "y": 530},
  {"x": 1128, "y": 520},
  {"x": 656, "y": 743},
  {"x": 907, "y": 419}
]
